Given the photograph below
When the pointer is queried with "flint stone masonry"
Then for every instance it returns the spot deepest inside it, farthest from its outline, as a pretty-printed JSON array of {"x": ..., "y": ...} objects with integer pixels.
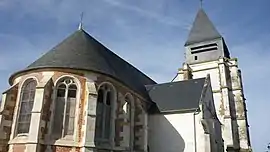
[{"x": 6, "y": 116}]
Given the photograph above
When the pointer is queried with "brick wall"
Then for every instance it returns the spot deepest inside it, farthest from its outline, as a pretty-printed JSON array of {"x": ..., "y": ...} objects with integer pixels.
[
  {"x": 120, "y": 122},
  {"x": 138, "y": 127},
  {"x": 7, "y": 111},
  {"x": 18, "y": 147},
  {"x": 82, "y": 80}
]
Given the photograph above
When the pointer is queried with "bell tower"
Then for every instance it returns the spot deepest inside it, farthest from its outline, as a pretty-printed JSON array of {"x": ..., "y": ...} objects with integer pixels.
[
  {"x": 207, "y": 53},
  {"x": 204, "y": 42}
]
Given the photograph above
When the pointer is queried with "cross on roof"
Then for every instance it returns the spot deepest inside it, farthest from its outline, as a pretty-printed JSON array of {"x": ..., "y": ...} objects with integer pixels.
[
  {"x": 81, "y": 22},
  {"x": 201, "y": 2}
]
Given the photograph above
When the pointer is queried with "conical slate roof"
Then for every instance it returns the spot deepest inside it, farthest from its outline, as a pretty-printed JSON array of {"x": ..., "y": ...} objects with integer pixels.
[
  {"x": 78, "y": 51},
  {"x": 202, "y": 29},
  {"x": 81, "y": 51}
]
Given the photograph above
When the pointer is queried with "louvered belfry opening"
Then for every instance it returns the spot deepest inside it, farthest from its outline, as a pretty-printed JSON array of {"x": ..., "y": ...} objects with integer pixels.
[
  {"x": 204, "y": 48},
  {"x": 204, "y": 42}
]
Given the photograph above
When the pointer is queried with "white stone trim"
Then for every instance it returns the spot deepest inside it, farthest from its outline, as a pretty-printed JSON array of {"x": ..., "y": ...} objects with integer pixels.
[
  {"x": 30, "y": 77},
  {"x": 19, "y": 139},
  {"x": 63, "y": 142},
  {"x": 17, "y": 106},
  {"x": 90, "y": 116}
]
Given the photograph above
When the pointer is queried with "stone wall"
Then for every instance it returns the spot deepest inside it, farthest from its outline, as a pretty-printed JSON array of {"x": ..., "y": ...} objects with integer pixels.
[
  {"x": 40, "y": 121},
  {"x": 228, "y": 97},
  {"x": 123, "y": 140},
  {"x": 6, "y": 116},
  {"x": 46, "y": 112},
  {"x": 18, "y": 147}
]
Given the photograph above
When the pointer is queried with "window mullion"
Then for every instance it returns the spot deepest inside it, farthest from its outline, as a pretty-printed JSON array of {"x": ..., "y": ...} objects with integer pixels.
[
  {"x": 64, "y": 113},
  {"x": 104, "y": 109},
  {"x": 28, "y": 105},
  {"x": 25, "y": 106}
]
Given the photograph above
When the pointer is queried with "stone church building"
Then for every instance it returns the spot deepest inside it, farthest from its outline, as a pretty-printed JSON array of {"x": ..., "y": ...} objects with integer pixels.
[{"x": 82, "y": 97}]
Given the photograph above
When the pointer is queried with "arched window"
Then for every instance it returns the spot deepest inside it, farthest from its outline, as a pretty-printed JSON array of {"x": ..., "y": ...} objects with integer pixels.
[
  {"x": 65, "y": 106},
  {"x": 26, "y": 104},
  {"x": 127, "y": 108},
  {"x": 105, "y": 99},
  {"x": 129, "y": 121}
]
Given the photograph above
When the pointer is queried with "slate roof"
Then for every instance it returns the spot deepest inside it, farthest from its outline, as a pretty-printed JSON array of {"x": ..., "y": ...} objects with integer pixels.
[
  {"x": 81, "y": 51},
  {"x": 177, "y": 96},
  {"x": 202, "y": 29}
]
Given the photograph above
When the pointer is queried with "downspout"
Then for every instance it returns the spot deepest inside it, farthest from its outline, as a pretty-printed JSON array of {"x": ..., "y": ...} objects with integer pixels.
[{"x": 194, "y": 124}]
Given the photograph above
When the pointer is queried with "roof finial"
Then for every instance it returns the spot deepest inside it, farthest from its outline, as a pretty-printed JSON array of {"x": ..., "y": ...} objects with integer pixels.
[
  {"x": 81, "y": 22},
  {"x": 201, "y": 3}
]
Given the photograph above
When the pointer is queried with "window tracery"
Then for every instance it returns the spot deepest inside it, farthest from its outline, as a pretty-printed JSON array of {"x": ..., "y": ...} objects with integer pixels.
[
  {"x": 105, "y": 101},
  {"x": 64, "y": 108},
  {"x": 26, "y": 104}
]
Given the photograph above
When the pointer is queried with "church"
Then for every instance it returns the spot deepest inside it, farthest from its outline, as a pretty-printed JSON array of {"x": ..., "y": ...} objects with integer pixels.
[{"x": 82, "y": 97}]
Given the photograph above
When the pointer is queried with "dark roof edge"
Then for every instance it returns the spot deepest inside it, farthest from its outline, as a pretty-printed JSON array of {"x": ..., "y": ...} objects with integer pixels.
[
  {"x": 11, "y": 78},
  {"x": 20, "y": 72}
]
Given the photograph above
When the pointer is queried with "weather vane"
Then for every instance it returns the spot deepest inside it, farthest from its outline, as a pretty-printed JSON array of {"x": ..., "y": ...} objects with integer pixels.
[{"x": 81, "y": 22}]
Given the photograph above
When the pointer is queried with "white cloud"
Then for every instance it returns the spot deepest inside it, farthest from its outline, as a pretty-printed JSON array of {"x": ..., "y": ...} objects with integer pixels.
[
  {"x": 153, "y": 15},
  {"x": 159, "y": 59}
]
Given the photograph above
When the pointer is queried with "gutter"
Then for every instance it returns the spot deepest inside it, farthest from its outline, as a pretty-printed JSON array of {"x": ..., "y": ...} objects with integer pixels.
[{"x": 194, "y": 124}]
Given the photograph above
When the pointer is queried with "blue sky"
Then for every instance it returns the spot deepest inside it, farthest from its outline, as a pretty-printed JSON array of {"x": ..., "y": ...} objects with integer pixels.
[{"x": 150, "y": 34}]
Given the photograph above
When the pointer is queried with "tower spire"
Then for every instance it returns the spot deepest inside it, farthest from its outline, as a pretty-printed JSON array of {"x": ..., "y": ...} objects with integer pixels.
[
  {"x": 204, "y": 42},
  {"x": 202, "y": 29},
  {"x": 81, "y": 22}
]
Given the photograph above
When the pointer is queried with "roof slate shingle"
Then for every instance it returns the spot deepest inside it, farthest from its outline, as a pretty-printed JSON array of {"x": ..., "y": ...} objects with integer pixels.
[
  {"x": 175, "y": 96},
  {"x": 202, "y": 29},
  {"x": 81, "y": 51}
]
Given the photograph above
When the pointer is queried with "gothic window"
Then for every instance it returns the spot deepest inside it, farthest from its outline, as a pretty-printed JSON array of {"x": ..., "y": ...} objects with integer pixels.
[
  {"x": 105, "y": 100},
  {"x": 127, "y": 108},
  {"x": 65, "y": 106},
  {"x": 26, "y": 105},
  {"x": 129, "y": 121}
]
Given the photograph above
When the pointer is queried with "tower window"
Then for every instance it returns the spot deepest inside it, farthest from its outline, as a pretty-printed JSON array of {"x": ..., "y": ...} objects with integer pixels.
[{"x": 196, "y": 57}]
